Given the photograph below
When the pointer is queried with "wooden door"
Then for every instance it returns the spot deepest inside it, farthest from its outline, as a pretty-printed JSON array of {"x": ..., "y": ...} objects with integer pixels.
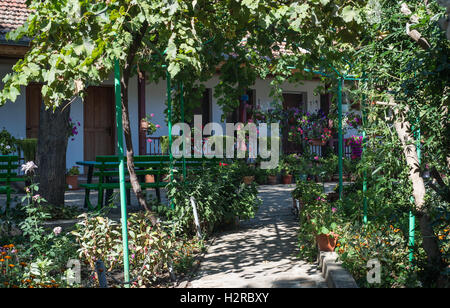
[
  {"x": 33, "y": 107},
  {"x": 204, "y": 109},
  {"x": 292, "y": 100},
  {"x": 99, "y": 122}
]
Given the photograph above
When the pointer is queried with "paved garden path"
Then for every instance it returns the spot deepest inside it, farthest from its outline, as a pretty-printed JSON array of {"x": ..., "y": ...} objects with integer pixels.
[{"x": 260, "y": 253}]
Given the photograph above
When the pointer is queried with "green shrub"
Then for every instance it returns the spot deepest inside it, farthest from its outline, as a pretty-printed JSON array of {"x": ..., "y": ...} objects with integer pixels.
[
  {"x": 152, "y": 250},
  {"x": 7, "y": 143},
  {"x": 220, "y": 198},
  {"x": 360, "y": 243}
]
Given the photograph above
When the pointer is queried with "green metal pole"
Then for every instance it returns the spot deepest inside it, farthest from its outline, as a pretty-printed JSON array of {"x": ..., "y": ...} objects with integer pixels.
[
  {"x": 182, "y": 121},
  {"x": 169, "y": 118},
  {"x": 363, "y": 152},
  {"x": 120, "y": 152},
  {"x": 341, "y": 81},
  {"x": 412, "y": 218}
]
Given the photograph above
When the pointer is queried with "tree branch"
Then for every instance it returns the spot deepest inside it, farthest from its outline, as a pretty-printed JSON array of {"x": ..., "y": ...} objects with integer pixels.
[{"x": 414, "y": 34}]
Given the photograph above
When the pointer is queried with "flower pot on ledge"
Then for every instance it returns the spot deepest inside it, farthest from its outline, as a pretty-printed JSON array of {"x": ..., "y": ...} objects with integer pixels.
[
  {"x": 272, "y": 179},
  {"x": 72, "y": 182},
  {"x": 326, "y": 242},
  {"x": 286, "y": 179}
]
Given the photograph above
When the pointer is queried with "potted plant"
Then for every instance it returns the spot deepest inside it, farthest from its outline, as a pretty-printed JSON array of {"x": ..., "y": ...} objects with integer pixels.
[
  {"x": 286, "y": 172},
  {"x": 272, "y": 176},
  {"x": 289, "y": 165},
  {"x": 248, "y": 173},
  {"x": 319, "y": 217},
  {"x": 150, "y": 178},
  {"x": 28, "y": 147},
  {"x": 148, "y": 126},
  {"x": 330, "y": 166},
  {"x": 72, "y": 177}
]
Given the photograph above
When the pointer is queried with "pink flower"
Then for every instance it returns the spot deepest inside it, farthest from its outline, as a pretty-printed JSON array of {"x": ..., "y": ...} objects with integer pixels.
[
  {"x": 316, "y": 157},
  {"x": 36, "y": 197},
  {"x": 149, "y": 140},
  {"x": 158, "y": 126},
  {"x": 152, "y": 115},
  {"x": 334, "y": 209}
]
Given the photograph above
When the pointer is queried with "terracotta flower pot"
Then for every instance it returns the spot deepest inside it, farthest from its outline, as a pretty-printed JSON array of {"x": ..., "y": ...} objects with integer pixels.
[
  {"x": 327, "y": 242},
  {"x": 248, "y": 179},
  {"x": 72, "y": 181},
  {"x": 286, "y": 179},
  {"x": 149, "y": 178},
  {"x": 272, "y": 179}
]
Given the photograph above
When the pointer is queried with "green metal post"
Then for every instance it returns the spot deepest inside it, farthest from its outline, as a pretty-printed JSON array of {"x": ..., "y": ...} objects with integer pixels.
[
  {"x": 363, "y": 152},
  {"x": 169, "y": 118},
  {"x": 120, "y": 152},
  {"x": 412, "y": 218},
  {"x": 182, "y": 121},
  {"x": 341, "y": 81}
]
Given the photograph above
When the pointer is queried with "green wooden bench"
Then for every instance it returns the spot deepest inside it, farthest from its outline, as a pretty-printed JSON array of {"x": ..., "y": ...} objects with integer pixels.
[
  {"x": 9, "y": 165},
  {"x": 106, "y": 169}
]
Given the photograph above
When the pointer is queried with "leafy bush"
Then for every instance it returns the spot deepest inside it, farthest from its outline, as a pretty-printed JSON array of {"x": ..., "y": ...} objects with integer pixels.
[
  {"x": 7, "y": 143},
  {"x": 360, "y": 243},
  {"x": 35, "y": 257},
  {"x": 220, "y": 198},
  {"x": 153, "y": 251}
]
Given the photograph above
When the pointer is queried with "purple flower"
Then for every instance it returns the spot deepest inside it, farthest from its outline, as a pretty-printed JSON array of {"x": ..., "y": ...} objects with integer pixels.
[{"x": 334, "y": 209}]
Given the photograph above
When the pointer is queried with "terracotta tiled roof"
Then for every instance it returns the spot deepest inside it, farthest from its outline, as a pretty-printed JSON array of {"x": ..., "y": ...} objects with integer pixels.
[{"x": 13, "y": 14}]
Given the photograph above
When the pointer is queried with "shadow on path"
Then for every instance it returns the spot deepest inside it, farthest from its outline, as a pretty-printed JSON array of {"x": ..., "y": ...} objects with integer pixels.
[{"x": 261, "y": 252}]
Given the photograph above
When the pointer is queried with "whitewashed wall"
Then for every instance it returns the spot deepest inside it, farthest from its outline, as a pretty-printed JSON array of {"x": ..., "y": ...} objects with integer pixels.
[{"x": 13, "y": 115}]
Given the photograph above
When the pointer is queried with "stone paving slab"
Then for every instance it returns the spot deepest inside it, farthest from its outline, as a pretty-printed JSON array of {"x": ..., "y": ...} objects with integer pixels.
[{"x": 261, "y": 252}]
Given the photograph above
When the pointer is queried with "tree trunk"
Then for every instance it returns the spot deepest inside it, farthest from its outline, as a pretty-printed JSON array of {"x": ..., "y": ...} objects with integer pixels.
[
  {"x": 429, "y": 240},
  {"x": 129, "y": 143},
  {"x": 54, "y": 131},
  {"x": 125, "y": 77}
]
